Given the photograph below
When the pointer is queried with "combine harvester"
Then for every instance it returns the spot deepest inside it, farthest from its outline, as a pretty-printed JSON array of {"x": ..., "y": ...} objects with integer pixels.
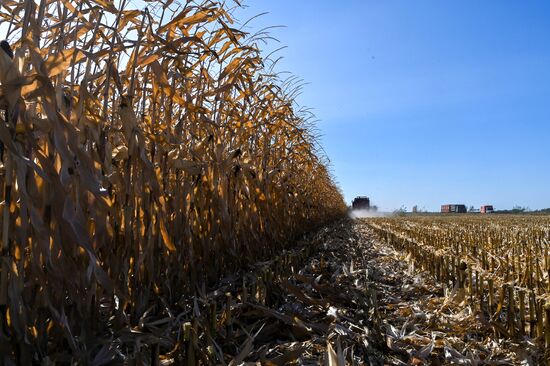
[{"x": 361, "y": 203}]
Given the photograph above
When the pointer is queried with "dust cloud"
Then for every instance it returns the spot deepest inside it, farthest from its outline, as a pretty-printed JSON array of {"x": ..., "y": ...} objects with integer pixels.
[{"x": 360, "y": 214}]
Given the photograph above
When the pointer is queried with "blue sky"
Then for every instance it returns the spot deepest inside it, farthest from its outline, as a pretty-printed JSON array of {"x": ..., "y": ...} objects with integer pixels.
[{"x": 424, "y": 102}]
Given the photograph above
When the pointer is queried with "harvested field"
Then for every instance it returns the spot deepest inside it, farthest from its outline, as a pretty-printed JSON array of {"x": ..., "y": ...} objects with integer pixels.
[
  {"x": 498, "y": 265},
  {"x": 343, "y": 296}
]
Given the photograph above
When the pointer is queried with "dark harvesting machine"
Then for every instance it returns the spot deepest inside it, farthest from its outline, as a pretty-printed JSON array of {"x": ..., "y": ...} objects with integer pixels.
[{"x": 360, "y": 203}]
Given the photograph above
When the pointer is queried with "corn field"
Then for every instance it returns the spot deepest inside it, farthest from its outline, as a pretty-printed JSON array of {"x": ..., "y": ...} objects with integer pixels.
[
  {"x": 501, "y": 264},
  {"x": 148, "y": 150}
]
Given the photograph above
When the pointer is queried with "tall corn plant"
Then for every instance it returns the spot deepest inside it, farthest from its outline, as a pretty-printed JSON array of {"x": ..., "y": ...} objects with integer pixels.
[{"x": 145, "y": 153}]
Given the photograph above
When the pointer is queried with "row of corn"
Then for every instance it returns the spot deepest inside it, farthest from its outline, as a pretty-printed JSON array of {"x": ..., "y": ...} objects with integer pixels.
[
  {"x": 147, "y": 150},
  {"x": 500, "y": 263}
]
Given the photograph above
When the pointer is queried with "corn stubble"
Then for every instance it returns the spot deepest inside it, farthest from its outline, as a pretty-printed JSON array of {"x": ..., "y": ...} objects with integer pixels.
[
  {"x": 145, "y": 154},
  {"x": 498, "y": 263}
]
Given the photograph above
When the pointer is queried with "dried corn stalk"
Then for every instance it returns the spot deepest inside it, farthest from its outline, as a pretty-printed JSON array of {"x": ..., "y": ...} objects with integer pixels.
[{"x": 146, "y": 152}]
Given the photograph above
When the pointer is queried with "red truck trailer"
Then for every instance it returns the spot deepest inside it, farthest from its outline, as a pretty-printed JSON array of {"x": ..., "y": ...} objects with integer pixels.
[
  {"x": 485, "y": 209},
  {"x": 454, "y": 208}
]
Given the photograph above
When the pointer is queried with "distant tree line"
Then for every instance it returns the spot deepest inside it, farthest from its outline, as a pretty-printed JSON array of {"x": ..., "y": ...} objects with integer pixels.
[
  {"x": 514, "y": 211},
  {"x": 519, "y": 210}
]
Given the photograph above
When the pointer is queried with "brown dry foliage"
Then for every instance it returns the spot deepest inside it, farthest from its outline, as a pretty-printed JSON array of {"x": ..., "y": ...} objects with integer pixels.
[{"x": 146, "y": 153}]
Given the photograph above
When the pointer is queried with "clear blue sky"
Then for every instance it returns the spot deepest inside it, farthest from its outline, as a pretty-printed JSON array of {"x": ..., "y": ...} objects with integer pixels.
[{"x": 425, "y": 102}]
